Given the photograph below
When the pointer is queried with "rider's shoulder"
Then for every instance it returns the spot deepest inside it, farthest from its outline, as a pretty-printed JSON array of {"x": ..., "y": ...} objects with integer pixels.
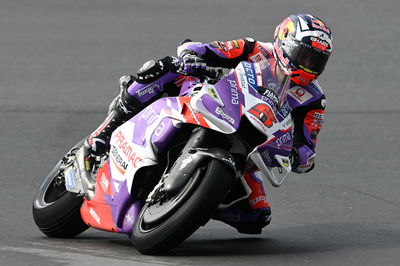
[
  {"x": 300, "y": 96},
  {"x": 266, "y": 45},
  {"x": 261, "y": 50},
  {"x": 315, "y": 88}
]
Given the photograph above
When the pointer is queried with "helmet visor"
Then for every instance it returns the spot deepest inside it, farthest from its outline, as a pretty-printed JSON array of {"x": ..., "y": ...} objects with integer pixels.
[{"x": 307, "y": 58}]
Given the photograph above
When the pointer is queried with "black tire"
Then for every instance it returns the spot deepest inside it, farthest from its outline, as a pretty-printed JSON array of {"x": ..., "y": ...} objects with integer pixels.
[
  {"x": 55, "y": 210},
  {"x": 196, "y": 204}
]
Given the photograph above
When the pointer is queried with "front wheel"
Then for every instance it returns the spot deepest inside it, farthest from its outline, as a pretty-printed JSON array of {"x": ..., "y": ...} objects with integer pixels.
[
  {"x": 162, "y": 225},
  {"x": 55, "y": 210}
]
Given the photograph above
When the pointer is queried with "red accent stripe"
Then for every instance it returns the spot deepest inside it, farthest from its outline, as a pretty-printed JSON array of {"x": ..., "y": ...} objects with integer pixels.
[{"x": 96, "y": 212}]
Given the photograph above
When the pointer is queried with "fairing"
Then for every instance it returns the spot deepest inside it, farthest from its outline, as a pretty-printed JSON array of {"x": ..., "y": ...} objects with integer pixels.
[{"x": 220, "y": 107}]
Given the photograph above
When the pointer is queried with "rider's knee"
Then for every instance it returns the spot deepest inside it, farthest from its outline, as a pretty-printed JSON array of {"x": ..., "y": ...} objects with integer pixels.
[{"x": 153, "y": 70}]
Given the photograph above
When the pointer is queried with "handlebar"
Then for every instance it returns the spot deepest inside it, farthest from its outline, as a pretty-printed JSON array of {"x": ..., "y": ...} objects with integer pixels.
[{"x": 211, "y": 72}]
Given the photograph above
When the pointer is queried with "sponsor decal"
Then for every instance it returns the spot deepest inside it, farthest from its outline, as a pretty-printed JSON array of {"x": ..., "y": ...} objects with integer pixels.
[
  {"x": 193, "y": 113},
  {"x": 248, "y": 68},
  {"x": 225, "y": 116},
  {"x": 258, "y": 122},
  {"x": 319, "y": 122},
  {"x": 257, "y": 67},
  {"x": 259, "y": 81},
  {"x": 287, "y": 27},
  {"x": 234, "y": 92},
  {"x": 104, "y": 182},
  {"x": 279, "y": 52},
  {"x": 212, "y": 92},
  {"x": 285, "y": 109},
  {"x": 323, "y": 103},
  {"x": 257, "y": 200},
  {"x": 150, "y": 89},
  {"x": 258, "y": 57},
  {"x": 313, "y": 121},
  {"x": 258, "y": 70},
  {"x": 318, "y": 24},
  {"x": 300, "y": 94},
  {"x": 288, "y": 123},
  {"x": 94, "y": 215},
  {"x": 285, "y": 162},
  {"x": 185, "y": 162},
  {"x": 70, "y": 179},
  {"x": 236, "y": 44},
  {"x": 219, "y": 45},
  {"x": 319, "y": 43},
  {"x": 309, "y": 163},
  {"x": 118, "y": 158},
  {"x": 159, "y": 130},
  {"x": 319, "y": 116},
  {"x": 264, "y": 51},
  {"x": 308, "y": 70},
  {"x": 126, "y": 148},
  {"x": 242, "y": 80},
  {"x": 149, "y": 115},
  {"x": 271, "y": 95},
  {"x": 229, "y": 46},
  {"x": 264, "y": 113},
  {"x": 284, "y": 138}
]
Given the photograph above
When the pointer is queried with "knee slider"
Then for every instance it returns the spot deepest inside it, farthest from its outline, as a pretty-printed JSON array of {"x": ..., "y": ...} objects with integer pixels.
[{"x": 150, "y": 71}]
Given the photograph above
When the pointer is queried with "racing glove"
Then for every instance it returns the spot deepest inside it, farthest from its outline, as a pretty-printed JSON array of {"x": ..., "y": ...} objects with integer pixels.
[
  {"x": 191, "y": 63},
  {"x": 302, "y": 159}
]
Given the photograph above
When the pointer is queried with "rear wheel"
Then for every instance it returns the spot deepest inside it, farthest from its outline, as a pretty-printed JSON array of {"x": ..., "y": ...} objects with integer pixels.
[
  {"x": 55, "y": 210},
  {"x": 164, "y": 223}
]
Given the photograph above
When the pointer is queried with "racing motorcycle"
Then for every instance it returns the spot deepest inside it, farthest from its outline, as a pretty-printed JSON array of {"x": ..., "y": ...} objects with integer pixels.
[{"x": 172, "y": 165}]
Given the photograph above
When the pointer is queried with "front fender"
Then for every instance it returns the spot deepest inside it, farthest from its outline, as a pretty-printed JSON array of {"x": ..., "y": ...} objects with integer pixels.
[{"x": 189, "y": 162}]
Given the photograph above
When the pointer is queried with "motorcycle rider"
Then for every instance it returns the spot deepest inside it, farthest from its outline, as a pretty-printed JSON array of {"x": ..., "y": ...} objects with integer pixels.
[{"x": 302, "y": 45}]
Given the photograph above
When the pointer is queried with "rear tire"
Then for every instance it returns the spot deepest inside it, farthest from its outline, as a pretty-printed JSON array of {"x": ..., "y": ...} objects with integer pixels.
[
  {"x": 191, "y": 208},
  {"x": 55, "y": 210}
]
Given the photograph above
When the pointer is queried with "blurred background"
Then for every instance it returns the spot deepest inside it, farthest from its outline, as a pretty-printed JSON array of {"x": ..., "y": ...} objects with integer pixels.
[{"x": 59, "y": 66}]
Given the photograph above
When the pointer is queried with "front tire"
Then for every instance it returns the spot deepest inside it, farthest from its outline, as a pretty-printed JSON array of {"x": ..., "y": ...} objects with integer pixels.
[
  {"x": 55, "y": 210},
  {"x": 191, "y": 208}
]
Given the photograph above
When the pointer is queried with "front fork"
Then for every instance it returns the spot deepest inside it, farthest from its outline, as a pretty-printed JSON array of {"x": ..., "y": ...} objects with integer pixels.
[{"x": 202, "y": 146}]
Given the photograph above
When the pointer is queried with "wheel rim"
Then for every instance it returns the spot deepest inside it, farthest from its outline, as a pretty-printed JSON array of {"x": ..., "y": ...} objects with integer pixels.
[
  {"x": 154, "y": 215},
  {"x": 49, "y": 191}
]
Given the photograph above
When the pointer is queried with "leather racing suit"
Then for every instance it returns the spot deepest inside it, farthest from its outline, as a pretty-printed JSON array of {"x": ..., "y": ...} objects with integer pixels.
[{"x": 307, "y": 106}]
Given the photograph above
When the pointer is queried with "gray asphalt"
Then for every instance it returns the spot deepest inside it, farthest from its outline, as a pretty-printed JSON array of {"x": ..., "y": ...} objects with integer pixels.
[{"x": 59, "y": 64}]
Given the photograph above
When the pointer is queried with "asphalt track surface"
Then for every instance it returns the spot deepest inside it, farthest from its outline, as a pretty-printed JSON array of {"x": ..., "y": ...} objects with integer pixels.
[{"x": 59, "y": 64}]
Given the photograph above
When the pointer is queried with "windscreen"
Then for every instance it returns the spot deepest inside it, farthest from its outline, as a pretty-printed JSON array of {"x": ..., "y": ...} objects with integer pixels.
[{"x": 272, "y": 81}]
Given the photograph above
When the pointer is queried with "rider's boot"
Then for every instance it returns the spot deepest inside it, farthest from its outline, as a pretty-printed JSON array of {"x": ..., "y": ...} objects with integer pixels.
[
  {"x": 122, "y": 108},
  {"x": 258, "y": 204},
  {"x": 250, "y": 215}
]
